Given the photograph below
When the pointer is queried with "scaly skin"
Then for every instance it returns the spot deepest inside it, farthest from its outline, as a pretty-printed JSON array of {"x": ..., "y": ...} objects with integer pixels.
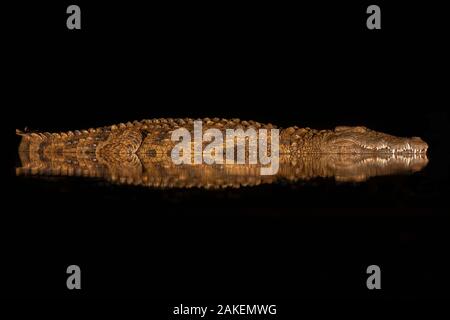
[
  {"x": 154, "y": 137},
  {"x": 139, "y": 153}
]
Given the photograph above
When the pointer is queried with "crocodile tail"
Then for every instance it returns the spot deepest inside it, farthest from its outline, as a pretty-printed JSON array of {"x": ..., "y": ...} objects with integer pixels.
[{"x": 31, "y": 141}]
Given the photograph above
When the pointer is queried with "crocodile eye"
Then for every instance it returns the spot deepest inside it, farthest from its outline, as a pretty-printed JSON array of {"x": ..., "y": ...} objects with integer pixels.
[
  {"x": 341, "y": 128},
  {"x": 359, "y": 129}
]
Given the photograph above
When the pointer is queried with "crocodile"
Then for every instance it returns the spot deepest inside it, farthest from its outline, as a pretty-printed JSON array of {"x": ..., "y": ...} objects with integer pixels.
[{"x": 137, "y": 151}]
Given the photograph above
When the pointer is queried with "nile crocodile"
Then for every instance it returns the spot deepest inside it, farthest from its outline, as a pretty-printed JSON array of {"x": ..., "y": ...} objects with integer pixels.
[{"x": 139, "y": 153}]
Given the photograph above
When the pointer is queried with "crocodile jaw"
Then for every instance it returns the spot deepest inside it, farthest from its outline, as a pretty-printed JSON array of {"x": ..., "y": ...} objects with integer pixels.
[{"x": 363, "y": 140}]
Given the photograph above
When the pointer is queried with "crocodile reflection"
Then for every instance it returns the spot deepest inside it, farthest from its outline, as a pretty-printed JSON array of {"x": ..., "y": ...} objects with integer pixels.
[{"x": 157, "y": 172}]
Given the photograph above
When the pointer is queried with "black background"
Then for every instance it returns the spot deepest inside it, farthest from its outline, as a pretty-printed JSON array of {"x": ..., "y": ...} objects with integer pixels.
[{"x": 312, "y": 65}]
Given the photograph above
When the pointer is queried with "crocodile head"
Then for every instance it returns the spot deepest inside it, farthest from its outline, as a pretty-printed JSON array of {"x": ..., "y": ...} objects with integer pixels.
[{"x": 364, "y": 140}]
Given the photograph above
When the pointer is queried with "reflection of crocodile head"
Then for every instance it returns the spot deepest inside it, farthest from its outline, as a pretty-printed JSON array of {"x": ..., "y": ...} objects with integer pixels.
[
  {"x": 360, "y": 167},
  {"x": 162, "y": 173}
]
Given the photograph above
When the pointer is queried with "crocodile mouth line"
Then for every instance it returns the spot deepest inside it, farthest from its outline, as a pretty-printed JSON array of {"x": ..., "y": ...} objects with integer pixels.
[{"x": 408, "y": 149}]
